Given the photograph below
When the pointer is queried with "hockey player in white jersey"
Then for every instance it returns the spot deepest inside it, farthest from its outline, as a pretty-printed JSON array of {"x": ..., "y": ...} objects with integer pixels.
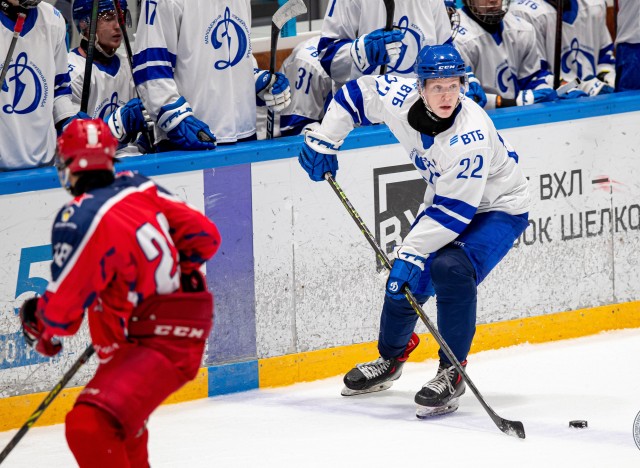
[
  {"x": 587, "y": 49},
  {"x": 628, "y": 46},
  {"x": 194, "y": 71},
  {"x": 501, "y": 50},
  {"x": 354, "y": 42},
  {"x": 476, "y": 202},
  {"x": 35, "y": 97},
  {"x": 112, "y": 95},
  {"x": 311, "y": 92}
]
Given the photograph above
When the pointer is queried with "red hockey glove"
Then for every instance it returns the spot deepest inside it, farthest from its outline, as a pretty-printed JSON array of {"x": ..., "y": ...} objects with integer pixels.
[{"x": 32, "y": 329}]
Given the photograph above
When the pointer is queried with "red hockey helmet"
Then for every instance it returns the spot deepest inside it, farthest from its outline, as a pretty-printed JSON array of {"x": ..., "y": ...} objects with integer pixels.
[{"x": 85, "y": 145}]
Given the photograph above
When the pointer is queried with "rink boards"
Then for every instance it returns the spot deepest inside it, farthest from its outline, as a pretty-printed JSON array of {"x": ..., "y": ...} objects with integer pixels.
[{"x": 298, "y": 290}]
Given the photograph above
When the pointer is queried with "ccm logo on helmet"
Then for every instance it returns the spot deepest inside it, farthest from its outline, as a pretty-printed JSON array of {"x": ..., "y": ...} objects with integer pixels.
[
  {"x": 446, "y": 67},
  {"x": 181, "y": 332}
]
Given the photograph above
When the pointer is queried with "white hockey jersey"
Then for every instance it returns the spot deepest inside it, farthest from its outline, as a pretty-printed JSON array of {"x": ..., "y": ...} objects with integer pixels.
[
  {"x": 111, "y": 85},
  {"x": 505, "y": 62},
  {"x": 469, "y": 168},
  {"x": 424, "y": 22},
  {"x": 587, "y": 48},
  {"x": 310, "y": 89},
  {"x": 628, "y": 22},
  {"x": 36, "y": 92},
  {"x": 199, "y": 49}
]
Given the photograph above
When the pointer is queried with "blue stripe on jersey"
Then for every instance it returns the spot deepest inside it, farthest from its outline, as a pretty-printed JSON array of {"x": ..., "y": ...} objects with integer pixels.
[
  {"x": 355, "y": 94},
  {"x": 606, "y": 55},
  {"x": 327, "y": 49},
  {"x": 152, "y": 73},
  {"x": 63, "y": 79},
  {"x": 445, "y": 220},
  {"x": 534, "y": 80},
  {"x": 459, "y": 207},
  {"x": 512, "y": 154},
  {"x": 292, "y": 124},
  {"x": 61, "y": 91},
  {"x": 154, "y": 54}
]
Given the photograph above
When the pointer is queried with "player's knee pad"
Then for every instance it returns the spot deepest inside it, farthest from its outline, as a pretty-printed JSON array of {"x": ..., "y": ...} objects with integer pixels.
[
  {"x": 95, "y": 438},
  {"x": 453, "y": 275}
]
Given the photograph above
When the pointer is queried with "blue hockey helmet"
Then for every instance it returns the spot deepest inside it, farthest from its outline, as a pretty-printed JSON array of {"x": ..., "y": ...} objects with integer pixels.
[
  {"x": 439, "y": 61},
  {"x": 82, "y": 9}
]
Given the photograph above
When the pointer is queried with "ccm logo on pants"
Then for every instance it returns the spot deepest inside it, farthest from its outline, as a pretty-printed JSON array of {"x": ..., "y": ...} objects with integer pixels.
[{"x": 182, "y": 332}]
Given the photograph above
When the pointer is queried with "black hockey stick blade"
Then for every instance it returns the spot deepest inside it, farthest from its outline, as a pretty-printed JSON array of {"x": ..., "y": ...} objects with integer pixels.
[
  {"x": 288, "y": 11},
  {"x": 84, "y": 357}
]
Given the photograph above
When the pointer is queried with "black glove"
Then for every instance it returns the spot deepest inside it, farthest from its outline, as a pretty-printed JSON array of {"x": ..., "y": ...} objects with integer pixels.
[
  {"x": 32, "y": 330},
  {"x": 193, "y": 282}
]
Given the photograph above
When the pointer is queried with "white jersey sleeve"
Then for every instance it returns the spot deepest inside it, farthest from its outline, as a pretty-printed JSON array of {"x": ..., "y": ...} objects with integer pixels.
[
  {"x": 200, "y": 50},
  {"x": 469, "y": 168},
  {"x": 505, "y": 62},
  {"x": 587, "y": 48},
  {"x": 36, "y": 92},
  {"x": 310, "y": 88},
  {"x": 111, "y": 84},
  {"x": 628, "y": 22},
  {"x": 423, "y": 22}
]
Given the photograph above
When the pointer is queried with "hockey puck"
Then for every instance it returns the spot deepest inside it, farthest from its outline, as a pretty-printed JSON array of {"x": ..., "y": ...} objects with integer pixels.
[{"x": 579, "y": 424}]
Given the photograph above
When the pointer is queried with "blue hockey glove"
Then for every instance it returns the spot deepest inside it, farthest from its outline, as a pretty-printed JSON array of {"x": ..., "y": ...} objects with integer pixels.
[
  {"x": 127, "y": 121},
  {"x": 272, "y": 90},
  {"x": 376, "y": 48},
  {"x": 534, "y": 96},
  {"x": 61, "y": 126},
  {"x": 593, "y": 86},
  {"x": 406, "y": 271},
  {"x": 183, "y": 129},
  {"x": 317, "y": 164},
  {"x": 475, "y": 90},
  {"x": 573, "y": 94}
]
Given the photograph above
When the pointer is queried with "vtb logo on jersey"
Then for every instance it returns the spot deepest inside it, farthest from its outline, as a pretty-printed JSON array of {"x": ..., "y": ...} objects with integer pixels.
[
  {"x": 229, "y": 37},
  {"x": 26, "y": 87}
]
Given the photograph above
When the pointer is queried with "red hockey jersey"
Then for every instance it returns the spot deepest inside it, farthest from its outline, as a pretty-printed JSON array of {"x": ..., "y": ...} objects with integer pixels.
[{"x": 114, "y": 247}]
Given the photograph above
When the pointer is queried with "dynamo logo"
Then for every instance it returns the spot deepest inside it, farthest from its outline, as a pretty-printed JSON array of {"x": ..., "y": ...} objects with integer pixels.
[
  {"x": 577, "y": 59},
  {"x": 28, "y": 85},
  {"x": 411, "y": 42},
  {"x": 229, "y": 35},
  {"x": 506, "y": 80}
]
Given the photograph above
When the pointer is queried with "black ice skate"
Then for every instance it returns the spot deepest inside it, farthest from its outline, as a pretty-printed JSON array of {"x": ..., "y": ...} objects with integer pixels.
[
  {"x": 377, "y": 375},
  {"x": 440, "y": 395}
]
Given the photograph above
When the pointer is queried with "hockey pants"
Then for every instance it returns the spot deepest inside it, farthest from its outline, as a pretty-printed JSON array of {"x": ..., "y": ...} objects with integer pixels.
[{"x": 452, "y": 275}]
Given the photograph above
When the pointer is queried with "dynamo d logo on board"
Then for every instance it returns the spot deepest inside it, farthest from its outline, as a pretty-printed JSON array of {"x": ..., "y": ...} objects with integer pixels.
[{"x": 636, "y": 430}]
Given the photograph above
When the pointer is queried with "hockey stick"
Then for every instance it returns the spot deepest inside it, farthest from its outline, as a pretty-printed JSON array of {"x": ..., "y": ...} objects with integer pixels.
[
  {"x": 558, "y": 44},
  {"x": 17, "y": 29},
  {"x": 148, "y": 131},
  {"x": 288, "y": 11},
  {"x": 84, "y": 357},
  {"x": 390, "y": 6},
  {"x": 88, "y": 66},
  {"x": 512, "y": 428}
]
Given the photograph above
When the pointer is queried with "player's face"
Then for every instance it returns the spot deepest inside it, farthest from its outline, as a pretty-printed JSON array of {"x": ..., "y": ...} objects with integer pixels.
[
  {"x": 487, "y": 6},
  {"x": 442, "y": 95},
  {"x": 108, "y": 30}
]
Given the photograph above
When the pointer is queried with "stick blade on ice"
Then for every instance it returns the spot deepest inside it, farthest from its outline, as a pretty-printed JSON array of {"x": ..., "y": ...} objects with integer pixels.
[{"x": 289, "y": 10}]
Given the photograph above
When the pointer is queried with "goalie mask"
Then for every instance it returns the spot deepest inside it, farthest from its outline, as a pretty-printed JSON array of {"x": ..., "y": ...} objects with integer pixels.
[
  {"x": 85, "y": 145},
  {"x": 488, "y": 11}
]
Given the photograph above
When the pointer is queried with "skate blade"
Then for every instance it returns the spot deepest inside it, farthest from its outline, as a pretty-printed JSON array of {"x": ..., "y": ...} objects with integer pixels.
[
  {"x": 426, "y": 412},
  {"x": 376, "y": 388}
]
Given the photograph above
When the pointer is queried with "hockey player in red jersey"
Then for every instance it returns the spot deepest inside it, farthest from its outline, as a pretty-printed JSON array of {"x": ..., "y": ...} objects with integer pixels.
[{"x": 129, "y": 254}]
